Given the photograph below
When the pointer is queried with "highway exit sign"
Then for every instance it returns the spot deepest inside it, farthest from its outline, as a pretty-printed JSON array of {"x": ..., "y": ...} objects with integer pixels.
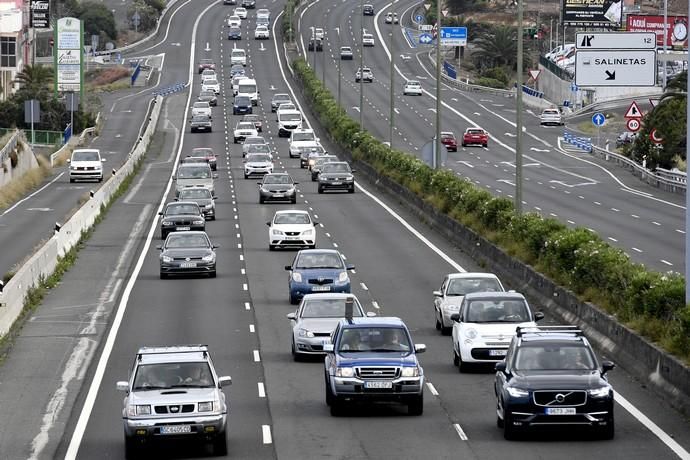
[{"x": 615, "y": 68}]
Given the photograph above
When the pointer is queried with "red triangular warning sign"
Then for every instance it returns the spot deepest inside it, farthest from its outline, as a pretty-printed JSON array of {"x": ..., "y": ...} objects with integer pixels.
[{"x": 633, "y": 111}]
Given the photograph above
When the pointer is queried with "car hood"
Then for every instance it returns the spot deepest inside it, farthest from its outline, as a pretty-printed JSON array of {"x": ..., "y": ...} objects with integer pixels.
[
  {"x": 557, "y": 380},
  {"x": 187, "y": 252},
  {"x": 322, "y": 325},
  {"x": 346, "y": 359},
  {"x": 172, "y": 396}
]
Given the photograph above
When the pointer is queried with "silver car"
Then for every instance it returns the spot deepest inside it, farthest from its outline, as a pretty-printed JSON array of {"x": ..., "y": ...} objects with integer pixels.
[
  {"x": 202, "y": 197},
  {"x": 194, "y": 175},
  {"x": 174, "y": 392},
  {"x": 316, "y": 318},
  {"x": 258, "y": 164},
  {"x": 448, "y": 298}
]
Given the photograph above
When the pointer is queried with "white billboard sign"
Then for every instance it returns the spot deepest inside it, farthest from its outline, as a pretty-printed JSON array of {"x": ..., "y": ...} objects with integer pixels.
[
  {"x": 68, "y": 55},
  {"x": 615, "y": 40},
  {"x": 615, "y": 68}
]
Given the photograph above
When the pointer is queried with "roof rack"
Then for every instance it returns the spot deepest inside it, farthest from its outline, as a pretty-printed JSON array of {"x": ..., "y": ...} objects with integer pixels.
[
  {"x": 172, "y": 349},
  {"x": 545, "y": 330}
]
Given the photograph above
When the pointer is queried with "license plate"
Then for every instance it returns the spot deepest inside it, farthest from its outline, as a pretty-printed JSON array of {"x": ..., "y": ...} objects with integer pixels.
[
  {"x": 560, "y": 411},
  {"x": 321, "y": 288},
  {"x": 176, "y": 429},
  {"x": 336, "y": 182},
  {"x": 188, "y": 265},
  {"x": 497, "y": 352},
  {"x": 378, "y": 384},
  {"x": 182, "y": 229},
  {"x": 278, "y": 195},
  {"x": 292, "y": 237}
]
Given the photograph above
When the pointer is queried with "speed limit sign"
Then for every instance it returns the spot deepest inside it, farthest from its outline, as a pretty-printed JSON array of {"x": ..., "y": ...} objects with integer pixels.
[{"x": 633, "y": 124}]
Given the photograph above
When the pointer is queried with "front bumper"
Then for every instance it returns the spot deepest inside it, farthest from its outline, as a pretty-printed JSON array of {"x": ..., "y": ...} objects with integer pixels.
[
  {"x": 299, "y": 290},
  {"x": 195, "y": 128},
  {"x": 172, "y": 268},
  {"x": 352, "y": 388},
  {"x": 257, "y": 171},
  {"x": 276, "y": 196},
  {"x": 207, "y": 427},
  {"x": 337, "y": 185},
  {"x": 241, "y": 110},
  {"x": 86, "y": 174},
  {"x": 310, "y": 345},
  {"x": 595, "y": 413}
]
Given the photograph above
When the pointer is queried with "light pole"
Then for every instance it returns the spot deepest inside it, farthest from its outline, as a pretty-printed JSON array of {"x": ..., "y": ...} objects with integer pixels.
[
  {"x": 392, "y": 83},
  {"x": 361, "y": 66},
  {"x": 518, "y": 120},
  {"x": 323, "y": 60},
  {"x": 437, "y": 141},
  {"x": 663, "y": 84},
  {"x": 337, "y": 30},
  {"x": 313, "y": 50},
  {"x": 687, "y": 202}
]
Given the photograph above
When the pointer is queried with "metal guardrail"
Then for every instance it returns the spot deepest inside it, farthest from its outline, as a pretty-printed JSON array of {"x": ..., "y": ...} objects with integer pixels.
[
  {"x": 610, "y": 104},
  {"x": 464, "y": 86},
  {"x": 10, "y": 146}
]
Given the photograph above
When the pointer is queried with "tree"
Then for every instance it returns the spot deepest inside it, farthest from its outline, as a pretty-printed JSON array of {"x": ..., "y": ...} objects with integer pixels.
[
  {"x": 497, "y": 48},
  {"x": 35, "y": 79},
  {"x": 97, "y": 18}
]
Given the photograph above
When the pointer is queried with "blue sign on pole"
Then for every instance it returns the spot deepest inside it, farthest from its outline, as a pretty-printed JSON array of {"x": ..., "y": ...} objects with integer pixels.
[
  {"x": 450, "y": 70},
  {"x": 454, "y": 36},
  {"x": 425, "y": 39},
  {"x": 598, "y": 119},
  {"x": 419, "y": 18}
]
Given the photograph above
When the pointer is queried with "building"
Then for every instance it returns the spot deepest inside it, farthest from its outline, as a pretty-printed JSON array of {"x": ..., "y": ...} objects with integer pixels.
[{"x": 16, "y": 40}]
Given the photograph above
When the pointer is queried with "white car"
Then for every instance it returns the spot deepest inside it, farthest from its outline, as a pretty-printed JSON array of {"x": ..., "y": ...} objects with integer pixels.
[
  {"x": 202, "y": 108},
  {"x": 234, "y": 21},
  {"x": 485, "y": 326},
  {"x": 261, "y": 33},
  {"x": 240, "y": 12},
  {"x": 367, "y": 39},
  {"x": 263, "y": 13},
  {"x": 210, "y": 85},
  {"x": 551, "y": 117},
  {"x": 316, "y": 318},
  {"x": 238, "y": 56},
  {"x": 236, "y": 83},
  {"x": 412, "y": 88},
  {"x": 243, "y": 130},
  {"x": 86, "y": 164},
  {"x": 448, "y": 298},
  {"x": 300, "y": 138},
  {"x": 365, "y": 75},
  {"x": 285, "y": 106},
  {"x": 209, "y": 74},
  {"x": 318, "y": 33},
  {"x": 293, "y": 228},
  {"x": 391, "y": 18},
  {"x": 258, "y": 163}
]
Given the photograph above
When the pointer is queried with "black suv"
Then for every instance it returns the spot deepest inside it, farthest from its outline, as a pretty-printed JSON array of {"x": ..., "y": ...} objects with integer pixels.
[
  {"x": 315, "y": 43},
  {"x": 551, "y": 377},
  {"x": 368, "y": 10}
]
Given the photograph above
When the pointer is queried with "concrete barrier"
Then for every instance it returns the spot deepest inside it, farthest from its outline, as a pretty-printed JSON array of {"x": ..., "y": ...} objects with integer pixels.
[{"x": 42, "y": 264}]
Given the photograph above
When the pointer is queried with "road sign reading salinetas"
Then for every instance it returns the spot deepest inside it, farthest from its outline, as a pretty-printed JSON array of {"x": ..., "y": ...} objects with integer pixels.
[{"x": 615, "y": 41}]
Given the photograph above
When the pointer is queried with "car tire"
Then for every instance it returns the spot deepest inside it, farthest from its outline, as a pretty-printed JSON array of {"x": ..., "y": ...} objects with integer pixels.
[
  {"x": 485, "y": 145},
  {"x": 329, "y": 393},
  {"x": 164, "y": 275},
  {"x": 446, "y": 330},
  {"x": 416, "y": 405},
  {"x": 312, "y": 246},
  {"x": 351, "y": 190},
  {"x": 320, "y": 189},
  {"x": 234, "y": 140},
  {"x": 456, "y": 359},
  {"x": 438, "y": 323},
  {"x": 295, "y": 356},
  {"x": 463, "y": 366},
  {"x": 499, "y": 421},
  {"x": 212, "y": 274},
  {"x": 509, "y": 431},
  {"x": 293, "y": 300},
  {"x": 220, "y": 445},
  {"x": 464, "y": 145},
  {"x": 261, "y": 199},
  {"x": 246, "y": 176},
  {"x": 294, "y": 200},
  {"x": 336, "y": 406},
  {"x": 131, "y": 448}
]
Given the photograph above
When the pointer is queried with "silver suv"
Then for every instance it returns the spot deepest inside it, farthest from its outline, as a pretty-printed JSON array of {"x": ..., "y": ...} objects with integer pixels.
[{"x": 174, "y": 392}]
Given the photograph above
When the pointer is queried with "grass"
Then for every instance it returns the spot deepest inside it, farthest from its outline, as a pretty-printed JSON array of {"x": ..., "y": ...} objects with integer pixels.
[{"x": 20, "y": 186}]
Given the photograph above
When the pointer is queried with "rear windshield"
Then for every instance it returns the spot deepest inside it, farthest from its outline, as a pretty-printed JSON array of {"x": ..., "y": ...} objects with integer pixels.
[
  {"x": 290, "y": 116},
  {"x": 195, "y": 194},
  {"x": 328, "y": 308}
]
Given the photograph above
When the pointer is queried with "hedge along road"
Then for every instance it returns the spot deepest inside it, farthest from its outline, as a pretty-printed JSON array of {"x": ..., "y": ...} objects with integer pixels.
[{"x": 571, "y": 186}]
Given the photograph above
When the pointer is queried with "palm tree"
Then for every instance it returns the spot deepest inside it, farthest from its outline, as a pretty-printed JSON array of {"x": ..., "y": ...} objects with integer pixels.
[
  {"x": 498, "y": 48},
  {"x": 35, "y": 78},
  {"x": 677, "y": 87}
]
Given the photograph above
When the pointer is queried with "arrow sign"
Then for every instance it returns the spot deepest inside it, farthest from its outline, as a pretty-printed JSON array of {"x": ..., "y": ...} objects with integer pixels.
[
  {"x": 419, "y": 18},
  {"x": 610, "y": 75},
  {"x": 598, "y": 119},
  {"x": 208, "y": 47},
  {"x": 633, "y": 111},
  {"x": 425, "y": 39}
]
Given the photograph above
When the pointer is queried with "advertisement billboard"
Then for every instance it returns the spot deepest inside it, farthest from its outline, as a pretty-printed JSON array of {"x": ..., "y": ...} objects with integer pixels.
[
  {"x": 68, "y": 55},
  {"x": 592, "y": 13},
  {"x": 40, "y": 14},
  {"x": 675, "y": 32}
]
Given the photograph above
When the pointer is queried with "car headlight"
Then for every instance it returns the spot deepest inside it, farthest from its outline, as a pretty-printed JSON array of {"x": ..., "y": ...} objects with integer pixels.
[
  {"x": 471, "y": 333},
  {"x": 312, "y": 162},
  {"x": 600, "y": 392},
  {"x": 134, "y": 410},
  {"x": 410, "y": 371},
  {"x": 198, "y": 222},
  {"x": 345, "y": 372},
  {"x": 166, "y": 259},
  {"x": 343, "y": 278},
  {"x": 296, "y": 277},
  {"x": 73, "y": 168},
  {"x": 517, "y": 392},
  {"x": 264, "y": 189},
  {"x": 452, "y": 307},
  {"x": 277, "y": 232},
  {"x": 166, "y": 223},
  {"x": 208, "y": 206},
  {"x": 309, "y": 232},
  {"x": 206, "y": 406},
  {"x": 209, "y": 258},
  {"x": 305, "y": 333}
]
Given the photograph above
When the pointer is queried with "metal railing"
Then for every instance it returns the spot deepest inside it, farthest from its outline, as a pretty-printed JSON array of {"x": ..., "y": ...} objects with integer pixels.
[
  {"x": 10, "y": 146},
  {"x": 552, "y": 67}
]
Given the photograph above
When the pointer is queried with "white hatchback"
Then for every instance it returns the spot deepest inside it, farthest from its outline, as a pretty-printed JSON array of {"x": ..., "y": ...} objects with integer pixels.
[
  {"x": 240, "y": 12},
  {"x": 238, "y": 56},
  {"x": 412, "y": 87},
  {"x": 210, "y": 85},
  {"x": 293, "y": 228},
  {"x": 261, "y": 33},
  {"x": 234, "y": 21}
]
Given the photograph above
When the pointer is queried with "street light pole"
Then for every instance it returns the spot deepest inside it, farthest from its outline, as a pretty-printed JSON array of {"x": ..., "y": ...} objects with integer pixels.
[
  {"x": 687, "y": 202},
  {"x": 337, "y": 29},
  {"x": 666, "y": 31},
  {"x": 361, "y": 66},
  {"x": 313, "y": 50},
  {"x": 437, "y": 141},
  {"x": 392, "y": 83},
  {"x": 518, "y": 137}
]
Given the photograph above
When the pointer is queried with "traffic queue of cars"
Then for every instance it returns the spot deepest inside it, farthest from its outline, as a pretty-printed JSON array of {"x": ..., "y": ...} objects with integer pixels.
[{"x": 545, "y": 375}]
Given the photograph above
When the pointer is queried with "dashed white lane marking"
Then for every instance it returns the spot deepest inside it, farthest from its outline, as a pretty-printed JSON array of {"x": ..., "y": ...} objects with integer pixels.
[
  {"x": 680, "y": 231},
  {"x": 613, "y": 239},
  {"x": 245, "y": 287},
  {"x": 252, "y": 328},
  {"x": 375, "y": 304},
  {"x": 634, "y": 216},
  {"x": 266, "y": 429},
  {"x": 571, "y": 222},
  {"x": 247, "y": 306},
  {"x": 666, "y": 262},
  {"x": 656, "y": 223},
  {"x": 460, "y": 432},
  {"x": 243, "y": 271},
  {"x": 432, "y": 388},
  {"x": 328, "y": 234},
  {"x": 241, "y": 257},
  {"x": 262, "y": 390},
  {"x": 335, "y": 245},
  {"x": 364, "y": 286},
  {"x": 597, "y": 203},
  {"x": 615, "y": 210},
  {"x": 637, "y": 250},
  {"x": 257, "y": 357}
]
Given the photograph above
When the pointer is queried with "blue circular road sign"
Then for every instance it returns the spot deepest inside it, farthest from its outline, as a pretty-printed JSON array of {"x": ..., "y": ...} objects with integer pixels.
[
  {"x": 598, "y": 119},
  {"x": 418, "y": 18}
]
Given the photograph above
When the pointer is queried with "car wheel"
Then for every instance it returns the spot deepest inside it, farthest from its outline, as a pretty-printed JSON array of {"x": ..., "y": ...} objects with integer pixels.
[
  {"x": 485, "y": 145},
  {"x": 446, "y": 330},
  {"x": 312, "y": 246},
  {"x": 164, "y": 275},
  {"x": 131, "y": 448},
  {"x": 294, "y": 200},
  {"x": 499, "y": 421},
  {"x": 329, "y": 393},
  {"x": 163, "y": 235},
  {"x": 234, "y": 140},
  {"x": 293, "y": 299},
  {"x": 271, "y": 247},
  {"x": 320, "y": 190},
  {"x": 351, "y": 189},
  {"x": 336, "y": 406},
  {"x": 464, "y": 145},
  {"x": 416, "y": 406},
  {"x": 261, "y": 199},
  {"x": 295, "y": 356},
  {"x": 609, "y": 431},
  {"x": 508, "y": 428},
  {"x": 212, "y": 274},
  {"x": 463, "y": 366},
  {"x": 220, "y": 445},
  {"x": 246, "y": 176},
  {"x": 456, "y": 359}
]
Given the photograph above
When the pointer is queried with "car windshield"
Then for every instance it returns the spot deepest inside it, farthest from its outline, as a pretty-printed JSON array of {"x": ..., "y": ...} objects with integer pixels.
[
  {"x": 194, "y": 160},
  {"x": 447, "y": 136},
  {"x": 336, "y": 168},
  {"x": 319, "y": 260},
  {"x": 497, "y": 311},
  {"x": 554, "y": 358},
  {"x": 237, "y": 53},
  {"x": 286, "y": 106},
  {"x": 374, "y": 339},
  {"x": 203, "y": 151},
  {"x": 313, "y": 149},
  {"x": 290, "y": 116},
  {"x": 463, "y": 286},
  {"x": 277, "y": 179},
  {"x": 252, "y": 118},
  {"x": 172, "y": 375},
  {"x": 250, "y": 88},
  {"x": 321, "y": 160},
  {"x": 195, "y": 194},
  {"x": 192, "y": 172},
  {"x": 181, "y": 208},
  {"x": 235, "y": 29},
  {"x": 292, "y": 218},
  {"x": 201, "y": 105},
  {"x": 207, "y": 62},
  {"x": 281, "y": 97},
  {"x": 85, "y": 156},
  {"x": 328, "y": 308},
  {"x": 187, "y": 240},
  {"x": 255, "y": 140},
  {"x": 258, "y": 158},
  {"x": 207, "y": 94},
  {"x": 299, "y": 137}
]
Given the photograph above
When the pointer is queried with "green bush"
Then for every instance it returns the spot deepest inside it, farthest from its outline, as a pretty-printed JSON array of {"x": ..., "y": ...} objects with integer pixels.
[{"x": 490, "y": 82}]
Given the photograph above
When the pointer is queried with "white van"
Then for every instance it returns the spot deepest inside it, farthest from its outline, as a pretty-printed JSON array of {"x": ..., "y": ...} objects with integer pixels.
[
  {"x": 86, "y": 164},
  {"x": 247, "y": 87},
  {"x": 288, "y": 121}
]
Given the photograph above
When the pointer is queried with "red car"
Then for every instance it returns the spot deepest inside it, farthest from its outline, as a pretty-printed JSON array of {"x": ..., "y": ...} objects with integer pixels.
[
  {"x": 448, "y": 139},
  {"x": 476, "y": 136},
  {"x": 207, "y": 153},
  {"x": 206, "y": 64}
]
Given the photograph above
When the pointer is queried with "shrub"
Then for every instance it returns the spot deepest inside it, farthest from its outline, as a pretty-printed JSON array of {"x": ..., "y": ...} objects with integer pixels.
[{"x": 490, "y": 83}]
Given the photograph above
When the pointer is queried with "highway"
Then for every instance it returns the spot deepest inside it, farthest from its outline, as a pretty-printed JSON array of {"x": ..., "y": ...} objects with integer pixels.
[
  {"x": 277, "y": 407},
  {"x": 560, "y": 181}
]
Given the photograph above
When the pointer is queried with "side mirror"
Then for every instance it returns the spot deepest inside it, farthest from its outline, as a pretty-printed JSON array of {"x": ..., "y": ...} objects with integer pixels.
[
  {"x": 295, "y": 183},
  {"x": 455, "y": 317},
  {"x": 215, "y": 175},
  {"x": 288, "y": 267},
  {"x": 438, "y": 294},
  {"x": 419, "y": 348},
  {"x": 215, "y": 246},
  {"x": 122, "y": 386},
  {"x": 161, "y": 213},
  {"x": 328, "y": 347},
  {"x": 174, "y": 199},
  {"x": 500, "y": 367},
  {"x": 258, "y": 183},
  {"x": 292, "y": 316},
  {"x": 353, "y": 170},
  {"x": 103, "y": 160},
  {"x": 316, "y": 223},
  {"x": 607, "y": 366},
  {"x": 159, "y": 247},
  {"x": 214, "y": 197},
  {"x": 268, "y": 223},
  {"x": 224, "y": 381},
  {"x": 350, "y": 267},
  {"x": 538, "y": 316},
  {"x": 370, "y": 314}
]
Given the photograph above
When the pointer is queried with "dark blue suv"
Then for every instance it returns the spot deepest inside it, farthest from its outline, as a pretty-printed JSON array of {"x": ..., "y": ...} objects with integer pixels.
[
  {"x": 373, "y": 359},
  {"x": 242, "y": 105}
]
